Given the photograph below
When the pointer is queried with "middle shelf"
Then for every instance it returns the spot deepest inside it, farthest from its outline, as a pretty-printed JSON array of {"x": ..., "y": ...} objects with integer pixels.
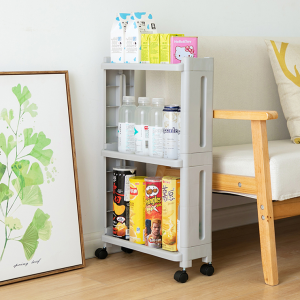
[{"x": 145, "y": 159}]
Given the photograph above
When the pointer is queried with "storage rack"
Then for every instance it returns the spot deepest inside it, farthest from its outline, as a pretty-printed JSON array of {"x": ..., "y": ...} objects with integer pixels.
[{"x": 195, "y": 161}]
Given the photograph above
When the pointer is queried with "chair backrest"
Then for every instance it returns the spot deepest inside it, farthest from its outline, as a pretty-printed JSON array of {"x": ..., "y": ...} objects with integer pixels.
[{"x": 243, "y": 79}]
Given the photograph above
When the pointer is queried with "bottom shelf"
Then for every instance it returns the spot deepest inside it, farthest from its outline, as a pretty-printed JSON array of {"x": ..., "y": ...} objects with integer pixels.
[{"x": 173, "y": 256}]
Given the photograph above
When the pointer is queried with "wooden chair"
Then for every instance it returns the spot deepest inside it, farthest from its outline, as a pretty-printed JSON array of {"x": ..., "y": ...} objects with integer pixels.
[{"x": 260, "y": 185}]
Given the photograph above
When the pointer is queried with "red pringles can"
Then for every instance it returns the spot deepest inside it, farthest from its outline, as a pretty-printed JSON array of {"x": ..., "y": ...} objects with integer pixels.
[
  {"x": 153, "y": 198},
  {"x": 121, "y": 200}
]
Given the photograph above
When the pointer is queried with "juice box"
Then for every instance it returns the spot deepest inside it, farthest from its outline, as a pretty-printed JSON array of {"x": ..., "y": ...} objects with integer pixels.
[
  {"x": 145, "y": 58},
  {"x": 154, "y": 48},
  {"x": 117, "y": 38},
  {"x": 153, "y": 197},
  {"x": 165, "y": 47},
  {"x": 170, "y": 203},
  {"x": 183, "y": 47},
  {"x": 137, "y": 209}
]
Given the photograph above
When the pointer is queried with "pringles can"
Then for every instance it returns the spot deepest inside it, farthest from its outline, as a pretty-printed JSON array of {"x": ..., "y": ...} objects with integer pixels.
[
  {"x": 153, "y": 211},
  {"x": 121, "y": 200},
  {"x": 137, "y": 210},
  {"x": 170, "y": 131}
]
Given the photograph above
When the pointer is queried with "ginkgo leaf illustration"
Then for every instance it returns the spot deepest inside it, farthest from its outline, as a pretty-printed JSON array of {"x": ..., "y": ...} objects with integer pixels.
[
  {"x": 29, "y": 195},
  {"x": 28, "y": 139},
  {"x": 30, "y": 241},
  {"x": 33, "y": 177},
  {"x": 45, "y": 232},
  {"x": 5, "y": 192},
  {"x": 11, "y": 144},
  {"x": 13, "y": 224},
  {"x": 2, "y": 170},
  {"x": 44, "y": 156},
  {"x": 30, "y": 109},
  {"x": 4, "y": 116},
  {"x": 22, "y": 96},
  {"x": 39, "y": 219}
]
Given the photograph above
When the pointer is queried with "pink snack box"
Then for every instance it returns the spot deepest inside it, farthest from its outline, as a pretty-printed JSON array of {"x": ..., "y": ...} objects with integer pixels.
[{"x": 182, "y": 46}]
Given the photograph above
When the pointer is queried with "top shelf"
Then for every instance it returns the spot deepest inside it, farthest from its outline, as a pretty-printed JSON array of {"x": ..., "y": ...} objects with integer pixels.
[{"x": 188, "y": 64}]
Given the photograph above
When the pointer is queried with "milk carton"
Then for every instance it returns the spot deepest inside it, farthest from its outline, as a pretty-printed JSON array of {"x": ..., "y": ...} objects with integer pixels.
[
  {"x": 145, "y": 42},
  {"x": 165, "y": 47},
  {"x": 139, "y": 22},
  {"x": 117, "y": 38},
  {"x": 154, "y": 48}
]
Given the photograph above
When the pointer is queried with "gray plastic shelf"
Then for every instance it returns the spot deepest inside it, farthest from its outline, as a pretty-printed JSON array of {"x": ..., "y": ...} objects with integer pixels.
[
  {"x": 144, "y": 67},
  {"x": 144, "y": 159},
  {"x": 173, "y": 256}
]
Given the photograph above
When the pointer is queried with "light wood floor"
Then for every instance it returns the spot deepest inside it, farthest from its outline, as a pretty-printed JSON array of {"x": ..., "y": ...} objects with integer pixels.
[{"x": 236, "y": 258}]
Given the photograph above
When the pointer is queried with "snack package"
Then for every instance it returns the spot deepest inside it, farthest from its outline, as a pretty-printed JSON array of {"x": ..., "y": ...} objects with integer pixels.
[
  {"x": 145, "y": 56},
  {"x": 137, "y": 210},
  {"x": 139, "y": 22},
  {"x": 183, "y": 47},
  {"x": 153, "y": 197},
  {"x": 170, "y": 206},
  {"x": 117, "y": 38},
  {"x": 154, "y": 48},
  {"x": 165, "y": 47}
]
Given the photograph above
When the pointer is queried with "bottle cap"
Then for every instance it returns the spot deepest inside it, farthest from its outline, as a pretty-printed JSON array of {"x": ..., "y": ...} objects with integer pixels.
[
  {"x": 144, "y": 100},
  {"x": 129, "y": 99},
  {"x": 160, "y": 101},
  {"x": 172, "y": 107}
]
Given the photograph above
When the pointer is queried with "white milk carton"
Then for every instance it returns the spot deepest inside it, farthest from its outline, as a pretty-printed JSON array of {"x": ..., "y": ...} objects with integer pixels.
[
  {"x": 117, "y": 38},
  {"x": 139, "y": 22}
]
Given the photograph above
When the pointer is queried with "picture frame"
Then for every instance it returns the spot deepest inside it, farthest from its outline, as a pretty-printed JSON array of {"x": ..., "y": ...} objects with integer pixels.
[{"x": 40, "y": 217}]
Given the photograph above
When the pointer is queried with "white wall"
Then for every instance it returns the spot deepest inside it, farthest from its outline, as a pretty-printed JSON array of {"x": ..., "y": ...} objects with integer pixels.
[{"x": 74, "y": 35}]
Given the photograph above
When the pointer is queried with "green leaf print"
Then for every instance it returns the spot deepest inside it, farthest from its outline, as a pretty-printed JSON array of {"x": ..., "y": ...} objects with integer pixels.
[
  {"x": 30, "y": 241},
  {"x": 21, "y": 96},
  {"x": 2, "y": 170},
  {"x": 13, "y": 224},
  {"x": 11, "y": 144},
  {"x": 30, "y": 109},
  {"x": 39, "y": 219},
  {"x": 45, "y": 232},
  {"x": 5, "y": 192},
  {"x": 4, "y": 116},
  {"x": 33, "y": 177},
  {"x": 29, "y": 195},
  {"x": 44, "y": 156},
  {"x": 28, "y": 139}
]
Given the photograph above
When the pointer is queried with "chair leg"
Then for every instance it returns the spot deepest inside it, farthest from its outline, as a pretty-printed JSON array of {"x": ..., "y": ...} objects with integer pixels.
[{"x": 264, "y": 202}]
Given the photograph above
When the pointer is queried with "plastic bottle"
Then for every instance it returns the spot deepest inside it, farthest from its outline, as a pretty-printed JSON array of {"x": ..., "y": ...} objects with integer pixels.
[
  {"x": 126, "y": 125},
  {"x": 156, "y": 139},
  {"x": 141, "y": 128}
]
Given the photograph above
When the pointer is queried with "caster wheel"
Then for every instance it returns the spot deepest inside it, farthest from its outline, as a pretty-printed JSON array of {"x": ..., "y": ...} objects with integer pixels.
[
  {"x": 126, "y": 250},
  {"x": 181, "y": 276},
  {"x": 101, "y": 253},
  {"x": 207, "y": 269}
]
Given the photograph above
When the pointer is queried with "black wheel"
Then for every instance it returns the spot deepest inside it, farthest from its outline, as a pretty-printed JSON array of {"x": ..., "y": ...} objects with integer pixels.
[
  {"x": 181, "y": 276},
  {"x": 101, "y": 253},
  {"x": 126, "y": 250},
  {"x": 207, "y": 269}
]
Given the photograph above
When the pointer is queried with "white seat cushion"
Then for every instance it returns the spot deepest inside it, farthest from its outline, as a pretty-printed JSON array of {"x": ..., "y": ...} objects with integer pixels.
[{"x": 284, "y": 166}]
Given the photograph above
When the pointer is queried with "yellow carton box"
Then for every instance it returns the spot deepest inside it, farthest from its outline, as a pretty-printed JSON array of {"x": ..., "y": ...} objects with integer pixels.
[
  {"x": 154, "y": 48},
  {"x": 145, "y": 46},
  {"x": 165, "y": 47},
  {"x": 170, "y": 204}
]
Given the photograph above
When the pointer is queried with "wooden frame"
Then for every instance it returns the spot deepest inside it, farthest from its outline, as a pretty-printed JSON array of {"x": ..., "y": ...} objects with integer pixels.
[
  {"x": 76, "y": 185},
  {"x": 268, "y": 211}
]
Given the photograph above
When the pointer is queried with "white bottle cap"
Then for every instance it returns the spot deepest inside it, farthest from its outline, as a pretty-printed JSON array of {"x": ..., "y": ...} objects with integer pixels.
[
  {"x": 144, "y": 100},
  {"x": 128, "y": 99},
  {"x": 159, "y": 101}
]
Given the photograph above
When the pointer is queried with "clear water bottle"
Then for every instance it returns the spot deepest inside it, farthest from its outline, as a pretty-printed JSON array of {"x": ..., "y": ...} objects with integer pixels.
[
  {"x": 141, "y": 129},
  {"x": 156, "y": 139},
  {"x": 126, "y": 125}
]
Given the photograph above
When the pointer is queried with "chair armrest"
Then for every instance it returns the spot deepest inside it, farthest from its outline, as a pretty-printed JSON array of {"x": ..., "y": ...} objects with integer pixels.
[{"x": 253, "y": 115}]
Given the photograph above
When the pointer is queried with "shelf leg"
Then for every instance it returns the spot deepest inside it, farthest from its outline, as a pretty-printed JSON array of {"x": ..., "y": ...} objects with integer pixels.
[
  {"x": 207, "y": 259},
  {"x": 185, "y": 264}
]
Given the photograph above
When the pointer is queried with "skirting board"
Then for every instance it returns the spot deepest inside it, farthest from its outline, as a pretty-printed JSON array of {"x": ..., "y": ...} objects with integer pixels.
[{"x": 221, "y": 219}]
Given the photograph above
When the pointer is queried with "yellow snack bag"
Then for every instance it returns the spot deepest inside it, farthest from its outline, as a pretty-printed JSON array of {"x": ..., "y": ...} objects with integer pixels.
[
  {"x": 165, "y": 47},
  {"x": 154, "y": 48},
  {"x": 170, "y": 203},
  {"x": 145, "y": 47},
  {"x": 137, "y": 209}
]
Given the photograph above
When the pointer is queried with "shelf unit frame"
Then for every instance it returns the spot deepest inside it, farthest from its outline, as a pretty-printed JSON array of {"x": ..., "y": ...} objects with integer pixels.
[{"x": 195, "y": 161}]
